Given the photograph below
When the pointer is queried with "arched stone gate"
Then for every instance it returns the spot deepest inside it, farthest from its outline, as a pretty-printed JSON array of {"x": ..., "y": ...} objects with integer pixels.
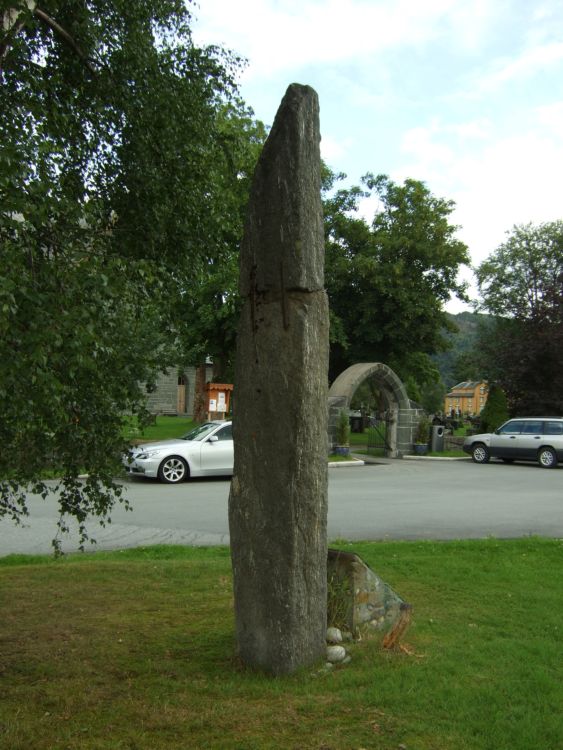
[{"x": 401, "y": 416}]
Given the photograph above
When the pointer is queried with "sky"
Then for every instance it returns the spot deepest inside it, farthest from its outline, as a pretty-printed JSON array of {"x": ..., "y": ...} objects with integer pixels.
[{"x": 465, "y": 95}]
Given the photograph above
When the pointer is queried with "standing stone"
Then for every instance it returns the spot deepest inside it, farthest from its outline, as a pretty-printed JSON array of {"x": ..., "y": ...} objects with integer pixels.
[{"x": 278, "y": 500}]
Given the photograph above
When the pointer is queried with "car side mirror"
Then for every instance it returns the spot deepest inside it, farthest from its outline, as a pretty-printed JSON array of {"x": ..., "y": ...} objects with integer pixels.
[{"x": 213, "y": 439}]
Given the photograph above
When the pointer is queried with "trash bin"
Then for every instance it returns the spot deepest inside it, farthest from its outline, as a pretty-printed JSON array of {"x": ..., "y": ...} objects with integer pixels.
[{"x": 437, "y": 438}]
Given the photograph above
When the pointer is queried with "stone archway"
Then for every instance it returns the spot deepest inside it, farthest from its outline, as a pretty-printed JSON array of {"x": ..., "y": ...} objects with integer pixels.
[{"x": 401, "y": 416}]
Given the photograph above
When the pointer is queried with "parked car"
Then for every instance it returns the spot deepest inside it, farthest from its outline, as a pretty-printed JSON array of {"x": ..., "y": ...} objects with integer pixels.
[
  {"x": 206, "y": 450},
  {"x": 523, "y": 439}
]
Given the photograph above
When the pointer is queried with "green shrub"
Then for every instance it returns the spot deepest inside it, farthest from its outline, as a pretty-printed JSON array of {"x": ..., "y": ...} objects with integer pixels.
[
  {"x": 343, "y": 428},
  {"x": 422, "y": 434},
  {"x": 495, "y": 411}
]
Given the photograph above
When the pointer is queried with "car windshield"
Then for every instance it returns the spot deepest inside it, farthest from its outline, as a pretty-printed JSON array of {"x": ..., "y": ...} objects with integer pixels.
[{"x": 201, "y": 431}]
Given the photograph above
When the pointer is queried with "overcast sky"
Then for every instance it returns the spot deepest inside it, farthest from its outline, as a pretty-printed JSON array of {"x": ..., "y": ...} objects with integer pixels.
[{"x": 466, "y": 95}]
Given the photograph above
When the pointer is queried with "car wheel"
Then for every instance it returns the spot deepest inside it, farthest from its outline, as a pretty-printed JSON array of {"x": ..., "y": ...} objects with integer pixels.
[
  {"x": 547, "y": 458},
  {"x": 480, "y": 454},
  {"x": 173, "y": 470}
]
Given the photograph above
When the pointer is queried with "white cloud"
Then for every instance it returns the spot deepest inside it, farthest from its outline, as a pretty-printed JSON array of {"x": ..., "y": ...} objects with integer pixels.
[
  {"x": 496, "y": 182},
  {"x": 334, "y": 150},
  {"x": 464, "y": 96},
  {"x": 427, "y": 150},
  {"x": 287, "y": 35},
  {"x": 529, "y": 63},
  {"x": 550, "y": 116},
  {"x": 470, "y": 23}
]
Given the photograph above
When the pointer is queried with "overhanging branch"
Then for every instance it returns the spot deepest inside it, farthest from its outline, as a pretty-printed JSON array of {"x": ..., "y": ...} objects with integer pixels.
[{"x": 12, "y": 26}]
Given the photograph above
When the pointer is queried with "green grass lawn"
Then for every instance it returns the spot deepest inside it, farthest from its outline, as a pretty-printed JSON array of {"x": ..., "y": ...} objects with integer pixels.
[
  {"x": 135, "y": 650},
  {"x": 163, "y": 428}
]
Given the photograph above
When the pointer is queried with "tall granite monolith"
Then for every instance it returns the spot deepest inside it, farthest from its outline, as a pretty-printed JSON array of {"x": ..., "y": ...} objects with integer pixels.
[{"x": 278, "y": 499}]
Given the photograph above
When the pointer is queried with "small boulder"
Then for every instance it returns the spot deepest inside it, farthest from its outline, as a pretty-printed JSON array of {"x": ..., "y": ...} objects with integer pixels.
[
  {"x": 333, "y": 635},
  {"x": 335, "y": 654}
]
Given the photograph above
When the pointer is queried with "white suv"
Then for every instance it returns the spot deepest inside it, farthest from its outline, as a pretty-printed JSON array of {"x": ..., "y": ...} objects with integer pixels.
[{"x": 524, "y": 439}]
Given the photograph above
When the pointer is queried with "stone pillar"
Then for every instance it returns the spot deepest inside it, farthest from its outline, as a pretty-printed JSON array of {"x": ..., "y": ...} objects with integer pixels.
[
  {"x": 392, "y": 419},
  {"x": 278, "y": 499}
]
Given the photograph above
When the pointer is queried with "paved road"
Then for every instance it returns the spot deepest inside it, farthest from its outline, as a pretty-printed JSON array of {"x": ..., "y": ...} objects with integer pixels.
[{"x": 406, "y": 499}]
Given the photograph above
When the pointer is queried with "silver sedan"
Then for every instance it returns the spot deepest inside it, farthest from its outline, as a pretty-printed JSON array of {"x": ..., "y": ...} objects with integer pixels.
[{"x": 205, "y": 451}]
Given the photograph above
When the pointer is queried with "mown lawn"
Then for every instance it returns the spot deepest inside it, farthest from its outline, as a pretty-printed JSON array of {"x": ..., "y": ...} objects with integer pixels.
[
  {"x": 163, "y": 428},
  {"x": 134, "y": 650}
]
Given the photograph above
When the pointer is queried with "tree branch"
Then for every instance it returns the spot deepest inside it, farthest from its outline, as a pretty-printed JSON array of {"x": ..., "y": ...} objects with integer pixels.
[
  {"x": 66, "y": 38},
  {"x": 12, "y": 27}
]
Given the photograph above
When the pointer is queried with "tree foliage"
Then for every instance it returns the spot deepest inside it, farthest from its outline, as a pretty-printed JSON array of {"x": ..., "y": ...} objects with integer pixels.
[
  {"x": 522, "y": 278},
  {"x": 116, "y": 163},
  {"x": 458, "y": 362},
  {"x": 208, "y": 310},
  {"x": 495, "y": 412},
  {"x": 522, "y": 348},
  {"x": 388, "y": 281}
]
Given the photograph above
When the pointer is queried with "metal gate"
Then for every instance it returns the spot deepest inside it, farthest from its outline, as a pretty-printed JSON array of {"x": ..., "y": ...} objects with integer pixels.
[{"x": 377, "y": 438}]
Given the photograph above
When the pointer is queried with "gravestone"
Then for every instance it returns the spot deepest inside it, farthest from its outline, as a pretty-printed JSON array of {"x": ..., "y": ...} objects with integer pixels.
[{"x": 278, "y": 499}]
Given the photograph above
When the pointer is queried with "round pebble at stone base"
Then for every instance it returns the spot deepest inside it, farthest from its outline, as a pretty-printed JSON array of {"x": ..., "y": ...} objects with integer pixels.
[
  {"x": 335, "y": 654},
  {"x": 333, "y": 635}
]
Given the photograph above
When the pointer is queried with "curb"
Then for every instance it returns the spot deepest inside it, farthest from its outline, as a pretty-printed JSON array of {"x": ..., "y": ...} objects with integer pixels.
[
  {"x": 438, "y": 458},
  {"x": 339, "y": 464}
]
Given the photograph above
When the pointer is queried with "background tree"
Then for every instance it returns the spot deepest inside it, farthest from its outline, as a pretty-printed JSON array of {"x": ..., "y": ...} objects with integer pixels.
[
  {"x": 115, "y": 168},
  {"x": 458, "y": 362},
  {"x": 495, "y": 411},
  {"x": 521, "y": 283},
  {"x": 466, "y": 366},
  {"x": 208, "y": 310},
  {"x": 432, "y": 397},
  {"x": 388, "y": 281}
]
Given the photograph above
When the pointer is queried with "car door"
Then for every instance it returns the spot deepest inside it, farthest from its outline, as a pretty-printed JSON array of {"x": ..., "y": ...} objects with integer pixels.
[
  {"x": 554, "y": 436},
  {"x": 504, "y": 442},
  {"x": 528, "y": 442},
  {"x": 217, "y": 452}
]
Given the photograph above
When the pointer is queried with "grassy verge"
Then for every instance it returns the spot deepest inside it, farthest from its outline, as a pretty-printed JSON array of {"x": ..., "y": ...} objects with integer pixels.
[
  {"x": 163, "y": 428},
  {"x": 336, "y": 459},
  {"x": 135, "y": 650}
]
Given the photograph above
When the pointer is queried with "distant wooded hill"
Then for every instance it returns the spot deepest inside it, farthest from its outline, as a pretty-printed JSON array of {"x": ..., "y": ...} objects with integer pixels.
[{"x": 463, "y": 341}]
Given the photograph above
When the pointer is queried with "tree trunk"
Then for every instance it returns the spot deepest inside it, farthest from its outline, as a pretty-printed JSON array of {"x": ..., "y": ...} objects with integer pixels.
[
  {"x": 200, "y": 402},
  {"x": 278, "y": 500}
]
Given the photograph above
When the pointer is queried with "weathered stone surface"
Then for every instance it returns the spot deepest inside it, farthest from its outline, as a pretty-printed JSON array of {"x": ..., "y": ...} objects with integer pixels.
[
  {"x": 335, "y": 654},
  {"x": 365, "y": 604},
  {"x": 281, "y": 247},
  {"x": 401, "y": 416},
  {"x": 278, "y": 500},
  {"x": 333, "y": 635}
]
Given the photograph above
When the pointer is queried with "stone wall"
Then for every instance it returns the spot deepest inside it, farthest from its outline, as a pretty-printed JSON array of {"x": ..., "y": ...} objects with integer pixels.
[
  {"x": 164, "y": 399},
  {"x": 408, "y": 425}
]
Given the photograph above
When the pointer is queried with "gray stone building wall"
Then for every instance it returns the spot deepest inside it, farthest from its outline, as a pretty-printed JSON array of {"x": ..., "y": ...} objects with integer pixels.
[{"x": 165, "y": 399}]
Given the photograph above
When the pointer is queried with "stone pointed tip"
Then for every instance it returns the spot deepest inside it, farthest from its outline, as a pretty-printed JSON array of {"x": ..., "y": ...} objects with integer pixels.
[
  {"x": 283, "y": 246},
  {"x": 301, "y": 89},
  {"x": 299, "y": 95}
]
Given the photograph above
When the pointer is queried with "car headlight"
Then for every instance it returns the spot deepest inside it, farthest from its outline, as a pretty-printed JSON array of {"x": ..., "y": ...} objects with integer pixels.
[{"x": 147, "y": 454}]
